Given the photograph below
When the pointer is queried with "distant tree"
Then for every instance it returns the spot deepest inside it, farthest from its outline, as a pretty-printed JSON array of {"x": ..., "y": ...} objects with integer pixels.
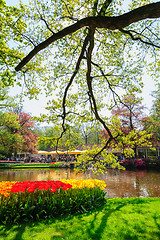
[
  {"x": 72, "y": 137},
  {"x": 128, "y": 125},
  {"x": 127, "y": 141},
  {"x": 16, "y": 133},
  {"x": 130, "y": 113},
  {"x": 90, "y": 132},
  {"x": 3, "y": 97},
  {"x": 152, "y": 123},
  {"x": 155, "y": 110},
  {"x": 28, "y": 133},
  {"x": 86, "y": 130},
  {"x": 48, "y": 137},
  {"x": 152, "y": 126},
  {"x": 11, "y": 140},
  {"x": 8, "y": 103},
  {"x": 94, "y": 137}
]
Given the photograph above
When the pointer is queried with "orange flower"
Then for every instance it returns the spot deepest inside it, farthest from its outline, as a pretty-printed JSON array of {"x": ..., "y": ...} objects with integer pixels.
[{"x": 5, "y": 187}]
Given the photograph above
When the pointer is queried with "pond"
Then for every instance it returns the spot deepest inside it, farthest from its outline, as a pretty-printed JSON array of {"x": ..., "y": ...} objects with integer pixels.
[{"x": 120, "y": 183}]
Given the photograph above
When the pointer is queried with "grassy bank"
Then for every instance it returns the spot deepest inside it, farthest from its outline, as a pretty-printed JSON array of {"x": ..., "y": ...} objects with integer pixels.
[
  {"x": 31, "y": 165},
  {"x": 119, "y": 219}
]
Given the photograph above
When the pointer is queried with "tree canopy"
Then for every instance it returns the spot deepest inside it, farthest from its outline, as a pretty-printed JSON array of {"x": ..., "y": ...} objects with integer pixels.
[
  {"x": 130, "y": 112},
  {"x": 127, "y": 121},
  {"x": 88, "y": 52},
  {"x": 10, "y": 139},
  {"x": 152, "y": 122},
  {"x": 156, "y": 104},
  {"x": 16, "y": 134}
]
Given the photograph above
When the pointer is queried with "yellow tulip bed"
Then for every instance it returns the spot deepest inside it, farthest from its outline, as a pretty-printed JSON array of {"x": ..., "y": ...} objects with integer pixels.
[{"x": 88, "y": 183}]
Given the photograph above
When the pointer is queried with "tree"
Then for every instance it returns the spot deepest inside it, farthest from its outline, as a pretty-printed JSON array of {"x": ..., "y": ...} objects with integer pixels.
[
  {"x": 127, "y": 141},
  {"x": 152, "y": 126},
  {"x": 28, "y": 133},
  {"x": 71, "y": 139},
  {"x": 3, "y": 98},
  {"x": 10, "y": 19},
  {"x": 152, "y": 122},
  {"x": 130, "y": 113},
  {"x": 8, "y": 103},
  {"x": 13, "y": 38},
  {"x": 129, "y": 126},
  {"x": 16, "y": 134},
  {"x": 95, "y": 48},
  {"x": 155, "y": 110},
  {"x": 11, "y": 140},
  {"x": 48, "y": 138},
  {"x": 86, "y": 130}
]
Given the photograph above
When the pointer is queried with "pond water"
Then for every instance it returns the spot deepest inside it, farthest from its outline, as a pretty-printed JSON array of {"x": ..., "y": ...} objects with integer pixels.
[{"x": 119, "y": 183}]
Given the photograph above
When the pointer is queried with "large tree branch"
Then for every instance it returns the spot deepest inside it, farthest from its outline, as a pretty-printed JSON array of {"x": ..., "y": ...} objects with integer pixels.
[
  {"x": 109, "y": 84},
  {"x": 89, "y": 82},
  {"x": 148, "y": 11},
  {"x": 69, "y": 85}
]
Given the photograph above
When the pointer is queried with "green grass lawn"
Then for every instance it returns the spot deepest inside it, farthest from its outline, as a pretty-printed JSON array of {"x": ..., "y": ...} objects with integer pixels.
[
  {"x": 119, "y": 219},
  {"x": 29, "y": 165}
]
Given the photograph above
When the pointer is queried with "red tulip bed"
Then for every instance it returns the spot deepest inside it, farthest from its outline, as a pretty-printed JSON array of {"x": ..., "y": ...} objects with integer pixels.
[{"x": 36, "y": 200}]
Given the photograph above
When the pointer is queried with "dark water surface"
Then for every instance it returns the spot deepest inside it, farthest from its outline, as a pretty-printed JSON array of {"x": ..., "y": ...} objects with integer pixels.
[{"x": 119, "y": 183}]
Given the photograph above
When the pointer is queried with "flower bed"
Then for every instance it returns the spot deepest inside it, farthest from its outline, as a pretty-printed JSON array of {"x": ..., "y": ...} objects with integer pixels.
[
  {"x": 139, "y": 163},
  {"x": 89, "y": 183},
  {"x": 35, "y": 200},
  {"x": 133, "y": 163}
]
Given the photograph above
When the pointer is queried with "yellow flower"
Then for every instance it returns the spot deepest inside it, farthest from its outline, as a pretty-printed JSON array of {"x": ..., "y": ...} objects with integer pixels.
[
  {"x": 5, "y": 187},
  {"x": 89, "y": 183}
]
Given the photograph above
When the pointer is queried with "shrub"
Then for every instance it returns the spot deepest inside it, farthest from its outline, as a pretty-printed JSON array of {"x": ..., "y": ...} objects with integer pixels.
[
  {"x": 127, "y": 162},
  {"x": 133, "y": 163},
  {"x": 138, "y": 163}
]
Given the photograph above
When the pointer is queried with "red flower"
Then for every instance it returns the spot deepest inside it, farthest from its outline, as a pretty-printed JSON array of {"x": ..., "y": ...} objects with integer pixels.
[
  {"x": 69, "y": 185},
  {"x": 53, "y": 189},
  {"x": 46, "y": 187},
  {"x": 14, "y": 190},
  {"x": 30, "y": 189},
  {"x": 18, "y": 187},
  {"x": 57, "y": 185},
  {"x": 41, "y": 187}
]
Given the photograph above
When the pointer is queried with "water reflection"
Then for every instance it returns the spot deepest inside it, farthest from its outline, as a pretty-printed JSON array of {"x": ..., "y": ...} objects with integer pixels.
[{"x": 119, "y": 183}]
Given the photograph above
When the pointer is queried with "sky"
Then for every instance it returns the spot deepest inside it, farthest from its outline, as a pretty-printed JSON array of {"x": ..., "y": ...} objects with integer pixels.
[
  {"x": 15, "y": 2},
  {"x": 36, "y": 107}
]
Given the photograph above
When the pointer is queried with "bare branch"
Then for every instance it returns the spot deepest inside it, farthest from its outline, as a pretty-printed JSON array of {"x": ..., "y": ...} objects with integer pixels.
[
  {"x": 109, "y": 85},
  {"x": 43, "y": 19},
  {"x": 104, "y": 7},
  {"x": 95, "y": 7},
  {"x": 89, "y": 82},
  {"x": 129, "y": 32}
]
